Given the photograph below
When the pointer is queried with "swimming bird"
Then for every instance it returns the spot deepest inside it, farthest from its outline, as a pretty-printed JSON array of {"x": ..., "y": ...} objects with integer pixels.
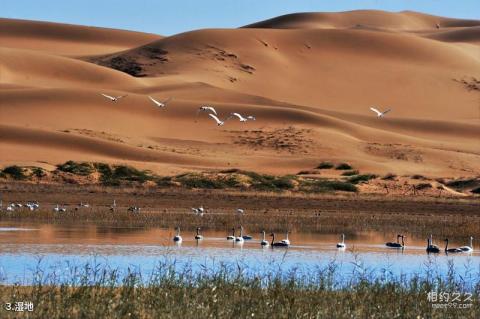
[
  {"x": 114, "y": 98},
  {"x": 286, "y": 240},
  {"x": 431, "y": 248},
  {"x": 397, "y": 244},
  {"x": 240, "y": 117},
  {"x": 264, "y": 241},
  {"x": 160, "y": 104},
  {"x": 342, "y": 243},
  {"x": 278, "y": 243},
  {"x": 240, "y": 238},
  {"x": 451, "y": 250},
  {"x": 198, "y": 236},
  {"x": 217, "y": 120},
  {"x": 468, "y": 248},
  {"x": 177, "y": 238},
  {"x": 380, "y": 114},
  {"x": 246, "y": 237},
  {"x": 232, "y": 236},
  {"x": 206, "y": 108}
]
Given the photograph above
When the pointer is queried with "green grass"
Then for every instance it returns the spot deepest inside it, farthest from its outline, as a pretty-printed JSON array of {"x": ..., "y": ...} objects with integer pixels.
[
  {"x": 350, "y": 173},
  {"x": 325, "y": 165},
  {"x": 231, "y": 291},
  {"x": 343, "y": 166},
  {"x": 76, "y": 168},
  {"x": 361, "y": 178},
  {"x": 16, "y": 172}
]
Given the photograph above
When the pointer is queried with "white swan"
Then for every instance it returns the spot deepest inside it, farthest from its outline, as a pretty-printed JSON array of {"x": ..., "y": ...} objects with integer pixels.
[
  {"x": 158, "y": 103},
  {"x": 217, "y": 120},
  {"x": 114, "y": 98},
  {"x": 264, "y": 241},
  {"x": 468, "y": 248},
  {"x": 380, "y": 114},
  {"x": 342, "y": 243},
  {"x": 177, "y": 238},
  {"x": 286, "y": 240}
]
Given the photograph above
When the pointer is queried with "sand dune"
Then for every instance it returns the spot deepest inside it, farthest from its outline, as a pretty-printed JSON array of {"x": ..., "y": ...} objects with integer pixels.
[
  {"x": 309, "y": 78},
  {"x": 68, "y": 39}
]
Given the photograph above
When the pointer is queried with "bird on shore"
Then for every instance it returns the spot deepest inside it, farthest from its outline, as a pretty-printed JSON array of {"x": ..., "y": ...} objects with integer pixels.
[
  {"x": 217, "y": 120},
  {"x": 207, "y": 109},
  {"x": 232, "y": 236},
  {"x": 114, "y": 98},
  {"x": 198, "y": 211},
  {"x": 158, "y": 103},
  {"x": 380, "y": 114},
  {"x": 177, "y": 238},
  {"x": 198, "y": 236},
  {"x": 264, "y": 241},
  {"x": 468, "y": 248},
  {"x": 134, "y": 209},
  {"x": 278, "y": 243},
  {"x": 342, "y": 243},
  {"x": 451, "y": 250},
  {"x": 113, "y": 206}
]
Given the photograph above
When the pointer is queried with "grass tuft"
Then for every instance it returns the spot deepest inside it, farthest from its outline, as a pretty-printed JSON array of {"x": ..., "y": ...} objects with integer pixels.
[
  {"x": 343, "y": 166},
  {"x": 325, "y": 165}
]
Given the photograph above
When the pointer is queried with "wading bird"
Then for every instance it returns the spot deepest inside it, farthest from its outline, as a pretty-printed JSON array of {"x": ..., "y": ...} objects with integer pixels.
[
  {"x": 342, "y": 243},
  {"x": 160, "y": 104},
  {"x": 114, "y": 98},
  {"x": 380, "y": 114}
]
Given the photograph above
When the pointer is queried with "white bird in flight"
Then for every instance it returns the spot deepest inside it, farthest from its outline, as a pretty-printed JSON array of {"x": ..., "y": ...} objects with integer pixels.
[
  {"x": 206, "y": 109},
  {"x": 159, "y": 104},
  {"x": 114, "y": 98},
  {"x": 240, "y": 117},
  {"x": 251, "y": 117},
  {"x": 219, "y": 123},
  {"x": 380, "y": 114}
]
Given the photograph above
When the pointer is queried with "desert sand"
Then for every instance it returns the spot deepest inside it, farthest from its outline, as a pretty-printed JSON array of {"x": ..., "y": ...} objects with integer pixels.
[{"x": 309, "y": 79}]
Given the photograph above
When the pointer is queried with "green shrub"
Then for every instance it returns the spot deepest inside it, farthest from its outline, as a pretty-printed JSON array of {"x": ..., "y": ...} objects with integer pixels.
[
  {"x": 361, "y": 178},
  {"x": 417, "y": 176},
  {"x": 462, "y": 183},
  {"x": 16, "y": 172},
  {"x": 325, "y": 165},
  {"x": 322, "y": 186},
  {"x": 76, "y": 168},
  {"x": 343, "y": 166},
  {"x": 38, "y": 172},
  {"x": 350, "y": 173}
]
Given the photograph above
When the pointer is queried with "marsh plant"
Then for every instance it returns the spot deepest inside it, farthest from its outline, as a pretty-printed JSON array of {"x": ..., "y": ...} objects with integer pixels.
[{"x": 235, "y": 290}]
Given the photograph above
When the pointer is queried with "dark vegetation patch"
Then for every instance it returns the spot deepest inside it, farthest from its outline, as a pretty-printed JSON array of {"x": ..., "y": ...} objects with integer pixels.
[
  {"x": 325, "y": 165},
  {"x": 389, "y": 177},
  {"x": 361, "y": 178},
  {"x": 350, "y": 173},
  {"x": 15, "y": 172},
  {"x": 76, "y": 168},
  {"x": 343, "y": 166}
]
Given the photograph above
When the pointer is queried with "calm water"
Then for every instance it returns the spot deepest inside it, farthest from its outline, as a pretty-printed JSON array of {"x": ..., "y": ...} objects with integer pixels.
[{"x": 54, "y": 247}]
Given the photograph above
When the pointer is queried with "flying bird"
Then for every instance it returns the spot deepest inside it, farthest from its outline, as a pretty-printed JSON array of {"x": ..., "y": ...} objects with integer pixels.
[
  {"x": 240, "y": 117},
  {"x": 380, "y": 114},
  {"x": 160, "y": 104},
  {"x": 251, "y": 118},
  {"x": 206, "y": 109},
  {"x": 219, "y": 123},
  {"x": 114, "y": 98}
]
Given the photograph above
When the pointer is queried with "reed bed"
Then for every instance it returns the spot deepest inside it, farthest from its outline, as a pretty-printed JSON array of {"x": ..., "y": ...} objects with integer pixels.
[{"x": 234, "y": 291}]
